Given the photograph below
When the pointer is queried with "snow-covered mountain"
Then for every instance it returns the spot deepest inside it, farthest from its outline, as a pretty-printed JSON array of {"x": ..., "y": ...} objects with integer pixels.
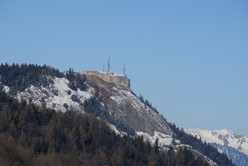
[
  {"x": 125, "y": 113},
  {"x": 105, "y": 95},
  {"x": 226, "y": 141}
]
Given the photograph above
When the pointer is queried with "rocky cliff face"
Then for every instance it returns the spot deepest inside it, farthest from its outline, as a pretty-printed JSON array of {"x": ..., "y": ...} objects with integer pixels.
[{"x": 123, "y": 108}]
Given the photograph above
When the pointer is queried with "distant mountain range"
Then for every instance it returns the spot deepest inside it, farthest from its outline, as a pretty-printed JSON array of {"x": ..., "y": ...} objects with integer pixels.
[{"x": 235, "y": 146}]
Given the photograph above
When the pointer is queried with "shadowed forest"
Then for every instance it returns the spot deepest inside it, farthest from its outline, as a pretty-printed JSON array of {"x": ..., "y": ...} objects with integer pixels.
[{"x": 33, "y": 136}]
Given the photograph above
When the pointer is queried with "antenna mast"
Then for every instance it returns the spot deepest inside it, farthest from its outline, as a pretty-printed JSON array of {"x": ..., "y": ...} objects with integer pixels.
[
  {"x": 109, "y": 64},
  {"x": 124, "y": 70}
]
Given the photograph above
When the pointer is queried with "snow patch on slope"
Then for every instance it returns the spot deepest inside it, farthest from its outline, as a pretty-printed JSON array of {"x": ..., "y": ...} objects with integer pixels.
[
  {"x": 121, "y": 93},
  {"x": 163, "y": 139},
  {"x": 58, "y": 96},
  {"x": 6, "y": 89},
  {"x": 113, "y": 128}
]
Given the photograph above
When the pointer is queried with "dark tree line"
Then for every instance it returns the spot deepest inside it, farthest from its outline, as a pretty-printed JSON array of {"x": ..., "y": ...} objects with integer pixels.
[
  {"x": 34, "y": 136},
  {"x": 19, "y": 77},
  {"x": 147, "y": 103},
  {"x": 77, "y": 80}
]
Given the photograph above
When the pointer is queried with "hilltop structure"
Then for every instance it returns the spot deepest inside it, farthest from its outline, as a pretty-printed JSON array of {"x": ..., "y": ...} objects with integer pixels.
[
  {"x": 118, "y": 79},
  {"x": 109, "y": 77}
]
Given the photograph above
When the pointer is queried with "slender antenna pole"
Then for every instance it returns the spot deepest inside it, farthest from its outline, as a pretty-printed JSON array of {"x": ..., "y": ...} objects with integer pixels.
[{"x": 124, "y": 70}]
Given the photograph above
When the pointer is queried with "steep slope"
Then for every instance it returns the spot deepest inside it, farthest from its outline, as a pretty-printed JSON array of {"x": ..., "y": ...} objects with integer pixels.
[
  {"x": 234, "y": 145},
  {"x": 126, "y": 109}
]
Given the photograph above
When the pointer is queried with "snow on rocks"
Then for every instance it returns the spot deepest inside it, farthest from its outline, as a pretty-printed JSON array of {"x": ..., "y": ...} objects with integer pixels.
[
  {"x": 57, "y": 96},
  {"x": 6, "y": 89},
  {"x": 163, "y": 139},
  {"x": 113, "y": 128},
  {"x": 150, "y": 120}
]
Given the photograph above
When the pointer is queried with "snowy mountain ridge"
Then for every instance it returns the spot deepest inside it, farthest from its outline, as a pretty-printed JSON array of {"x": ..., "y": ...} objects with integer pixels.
[
  {"x": 223, "y": 137},
  {"x": 226, "y": 141}
]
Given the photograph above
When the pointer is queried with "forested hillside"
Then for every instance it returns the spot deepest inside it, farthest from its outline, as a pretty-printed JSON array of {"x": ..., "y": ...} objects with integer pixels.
[
  {"x": 33, "y": 136},
  {"x": 19, "y": 77}
]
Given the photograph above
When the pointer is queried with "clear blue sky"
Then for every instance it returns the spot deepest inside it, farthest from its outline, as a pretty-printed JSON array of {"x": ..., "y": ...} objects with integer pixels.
[{"x": 188, "y": 57}]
